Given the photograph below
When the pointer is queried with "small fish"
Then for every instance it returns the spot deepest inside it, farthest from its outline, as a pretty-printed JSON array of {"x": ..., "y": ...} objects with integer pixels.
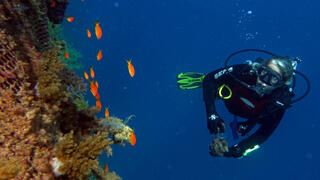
[
  {"x": 97, "y": 96},
  {"x": 66, "y": 55},
  {"x": 53, "y": 4},
  {"x": 98, "y": 30},
  {"x": 94, "y": 93},
  {"x": 99, "y": 55},
  {"x": 133, "y": 139},
  {"x": 130, "y": 68},
  {"x": 98, "y": 104},
  {"x": 97, "y": 85},
  {"x": 93, "y": 89},
  {"x": 91, "y": 73},
  {"x": 70, "y": 19},
  {"x": 88, "y": 33},
  {"x": 53, "y": 26},
  {"x": 106, "y": 168},
  {"x": 106, "y": 112},
  {"x": 86, "y": 75}
]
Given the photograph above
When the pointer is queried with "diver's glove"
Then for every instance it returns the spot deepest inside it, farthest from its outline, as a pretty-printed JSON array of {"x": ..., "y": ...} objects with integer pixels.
[
  {"x": 234, "y": 151},
  {"x": 216, "y": 124}
]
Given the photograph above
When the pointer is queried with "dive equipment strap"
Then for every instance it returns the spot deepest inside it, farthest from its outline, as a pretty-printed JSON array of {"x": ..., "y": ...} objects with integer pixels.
[
  {"x": 223, "y": 88},
  {"x": 234, "y": 126}
]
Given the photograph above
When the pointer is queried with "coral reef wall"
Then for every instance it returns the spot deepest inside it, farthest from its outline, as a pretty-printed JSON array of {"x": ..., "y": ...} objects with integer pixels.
[
  {"x": 28, "y": 19},
  {"x": 44, "y": 134}
]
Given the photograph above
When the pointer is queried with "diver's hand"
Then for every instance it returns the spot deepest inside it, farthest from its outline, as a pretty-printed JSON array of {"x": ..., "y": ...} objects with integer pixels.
[{"x": 216, "y": 124}]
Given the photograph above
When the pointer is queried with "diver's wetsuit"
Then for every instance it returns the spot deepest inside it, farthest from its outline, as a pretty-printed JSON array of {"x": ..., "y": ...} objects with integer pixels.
[{"x": 267, "y": 110}]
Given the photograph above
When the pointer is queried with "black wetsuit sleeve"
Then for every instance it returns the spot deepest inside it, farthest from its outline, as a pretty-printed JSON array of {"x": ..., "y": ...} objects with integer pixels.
[
  {"x": 213, "y": 81},
  {"x": 271, "y": 122},
  {"x": 209, "y": 93}
]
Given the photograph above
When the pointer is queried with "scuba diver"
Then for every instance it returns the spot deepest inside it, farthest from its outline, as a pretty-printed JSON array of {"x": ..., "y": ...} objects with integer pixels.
[{"x": 259, "y": 91}]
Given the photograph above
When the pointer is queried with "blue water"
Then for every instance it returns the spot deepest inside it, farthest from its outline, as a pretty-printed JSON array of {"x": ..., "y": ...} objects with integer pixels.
[{"x": 165, "y": 37}]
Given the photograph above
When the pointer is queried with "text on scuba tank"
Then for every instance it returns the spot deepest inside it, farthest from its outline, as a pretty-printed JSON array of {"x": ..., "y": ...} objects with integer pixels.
[{"x": 220, "y": 73}]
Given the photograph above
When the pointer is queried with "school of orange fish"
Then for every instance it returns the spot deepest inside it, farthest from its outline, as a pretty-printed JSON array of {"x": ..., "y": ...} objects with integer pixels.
[{"x": 93, "y": 83}]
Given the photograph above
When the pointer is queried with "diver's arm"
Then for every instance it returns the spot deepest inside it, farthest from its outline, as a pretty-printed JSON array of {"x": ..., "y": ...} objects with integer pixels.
[
  {"x": 273, "y": 112},
  {"x": 211, "y": 83},
  {"x": 261, "y": 135},
  {"x": 209, "y": 95}
]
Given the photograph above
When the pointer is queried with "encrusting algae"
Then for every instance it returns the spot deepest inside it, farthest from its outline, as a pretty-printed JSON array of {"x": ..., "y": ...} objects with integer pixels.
[{"x": 46, "y": 129}]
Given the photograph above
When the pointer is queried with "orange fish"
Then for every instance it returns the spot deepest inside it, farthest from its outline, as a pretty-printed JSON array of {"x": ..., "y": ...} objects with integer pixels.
[
  {"x": 106, "y": 168},
  {"x": 53, "y": 4},
  {"x": 91, "y": 73},
  {"x": 97, "y": 96},
  {"x": 98, "y": 30},
  {"x": 133, "y": 139},
  {"x": 106, "y": 113},
  {"x": 66, "y": 55},
  {"x": 86, "y": 75},
  {"x": 94, "y": 93},
  {"x": 130, "y": 68},
  {"x": 98, "y": 104},
  {"x": 97, "y": 85},
  {"x": 93, "y": 89},
  {"x": 99, "y": 55},
  {"x": 70, "y": 19},
  {"x": 88, "y": 33}
]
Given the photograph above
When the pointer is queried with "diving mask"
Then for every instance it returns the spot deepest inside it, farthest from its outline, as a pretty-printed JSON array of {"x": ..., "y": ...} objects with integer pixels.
[
  {"x": 268, "y": 76},
  {"x": 267, "y": 80}
]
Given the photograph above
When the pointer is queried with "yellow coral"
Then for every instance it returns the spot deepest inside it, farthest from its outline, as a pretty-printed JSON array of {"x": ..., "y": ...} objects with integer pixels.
[
  {"x": 49, "y": 83},
  {"x": 9, "y": 169},
  {"x": 120, "y": 130},
  {"x": 78, "y": 159},
  {"x": 113, "y": 176}
]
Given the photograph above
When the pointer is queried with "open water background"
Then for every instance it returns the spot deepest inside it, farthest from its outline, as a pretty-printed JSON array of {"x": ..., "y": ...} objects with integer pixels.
[{"x": 166, "y": 37}]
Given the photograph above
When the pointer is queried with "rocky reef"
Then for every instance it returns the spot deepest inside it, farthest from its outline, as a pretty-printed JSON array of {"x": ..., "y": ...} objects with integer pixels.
[{"x": 43, "y": 132}]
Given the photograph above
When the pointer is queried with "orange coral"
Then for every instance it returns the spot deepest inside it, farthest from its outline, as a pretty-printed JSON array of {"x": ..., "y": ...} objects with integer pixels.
[
  {"x": 21, "y": 142},
  {"x": 18, "y": 142}
]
